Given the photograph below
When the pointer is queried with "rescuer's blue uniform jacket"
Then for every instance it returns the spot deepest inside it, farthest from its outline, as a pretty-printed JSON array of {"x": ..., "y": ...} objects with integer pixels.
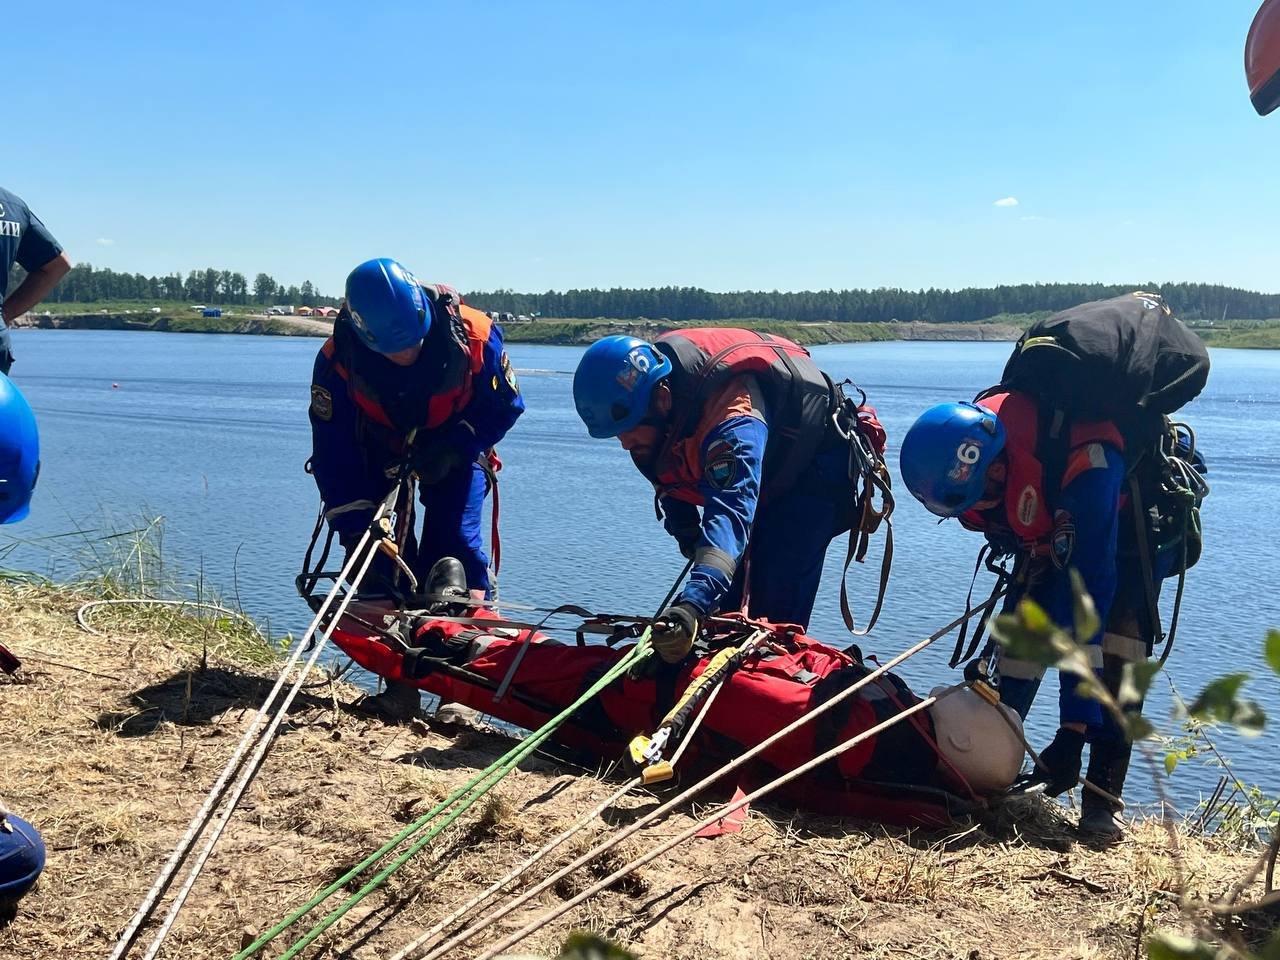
[
  {"x": 461, "y": 395},
  {"x": 788, "y": 534}
]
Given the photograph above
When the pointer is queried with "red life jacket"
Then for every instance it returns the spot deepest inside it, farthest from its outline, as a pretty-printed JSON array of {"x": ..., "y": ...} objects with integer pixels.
[
  {"x": 1027, "y": 512},
  {"x": 459, "y": 346},
  {"x": 799, "y": 399}
]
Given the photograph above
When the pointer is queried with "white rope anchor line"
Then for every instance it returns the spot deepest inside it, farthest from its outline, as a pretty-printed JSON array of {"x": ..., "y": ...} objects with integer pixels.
[
  {"x": 580, "y": 824},
  {"x": 201, "y": 818},
  {"x": 722, "y": 812},
  {"x": 82, "y": 612},
  {"x": 744, "y": 758},
  {"x": 250, "y": 769}
]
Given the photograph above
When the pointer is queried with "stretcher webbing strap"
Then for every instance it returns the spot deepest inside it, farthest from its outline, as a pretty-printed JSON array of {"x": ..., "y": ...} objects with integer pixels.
[
  {"x": 1137, "y": 507},
  {"x": 873, "y": 478},
  {"x": 961, "y": 653}
]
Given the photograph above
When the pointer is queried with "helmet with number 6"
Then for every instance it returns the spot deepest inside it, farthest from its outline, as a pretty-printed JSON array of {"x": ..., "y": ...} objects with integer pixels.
[
  {"x": 946, "y": 454},
  {"x": 613, "y": 383}
]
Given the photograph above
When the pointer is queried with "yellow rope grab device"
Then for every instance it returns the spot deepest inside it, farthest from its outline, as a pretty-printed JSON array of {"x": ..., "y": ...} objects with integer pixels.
[{"x": 647, "y": 751}]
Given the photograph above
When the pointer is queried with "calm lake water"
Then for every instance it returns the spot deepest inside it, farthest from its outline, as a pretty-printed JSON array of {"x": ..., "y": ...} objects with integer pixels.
[{"x": 211, "y": 433}]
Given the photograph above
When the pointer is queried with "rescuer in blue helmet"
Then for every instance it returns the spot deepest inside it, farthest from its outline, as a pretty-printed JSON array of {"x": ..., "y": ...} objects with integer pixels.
[
  {"x": 19, "y": 453},
  {"x": 1046, "y": 489},
  {"x": 738, "y": 433},
  {"x": 407, "y": 356},
  {"x": 980, "y": 462}
]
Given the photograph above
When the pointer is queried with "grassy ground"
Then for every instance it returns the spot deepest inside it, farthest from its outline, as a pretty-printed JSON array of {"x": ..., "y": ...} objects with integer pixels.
[{"x": 111, "y": 742}]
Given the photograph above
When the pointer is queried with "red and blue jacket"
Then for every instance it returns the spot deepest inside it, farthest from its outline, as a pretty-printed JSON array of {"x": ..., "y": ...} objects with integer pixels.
[
  {"x": 749, "y": 410},
  {"x": 1079, "y": 530},
  {"x": 461, "y": 390}
]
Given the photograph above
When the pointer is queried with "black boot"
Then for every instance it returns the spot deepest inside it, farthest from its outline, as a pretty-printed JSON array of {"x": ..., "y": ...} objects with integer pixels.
[
  {"x": 1108, "y": 767},
  {"x": 447, "y": 579}
]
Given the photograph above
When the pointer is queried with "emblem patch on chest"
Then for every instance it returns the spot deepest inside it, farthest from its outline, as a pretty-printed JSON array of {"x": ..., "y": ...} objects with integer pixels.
[{"x": 321, "y": 403}]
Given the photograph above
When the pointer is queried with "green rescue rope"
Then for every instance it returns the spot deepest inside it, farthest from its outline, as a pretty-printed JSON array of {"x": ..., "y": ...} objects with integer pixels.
[{"x": 468, "y": 793}]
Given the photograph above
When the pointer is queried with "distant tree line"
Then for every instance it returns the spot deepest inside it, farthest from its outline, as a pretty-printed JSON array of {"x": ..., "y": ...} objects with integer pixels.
[
  {"x": 85, "y": 283},
  {"x": 1191, "y": 301}
]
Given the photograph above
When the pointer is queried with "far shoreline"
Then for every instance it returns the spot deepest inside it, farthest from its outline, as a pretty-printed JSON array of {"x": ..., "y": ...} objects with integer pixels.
[{"x": 580, "y": 332}]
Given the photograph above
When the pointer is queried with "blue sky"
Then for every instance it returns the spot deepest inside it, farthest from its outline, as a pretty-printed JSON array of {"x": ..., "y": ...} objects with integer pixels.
[{"x": 725, "y": 145}]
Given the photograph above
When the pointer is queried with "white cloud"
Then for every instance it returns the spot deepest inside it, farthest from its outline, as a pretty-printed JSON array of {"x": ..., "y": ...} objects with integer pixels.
[
  {"x": 105, "y": 242},
  {"x": 1007, "y": 202}
]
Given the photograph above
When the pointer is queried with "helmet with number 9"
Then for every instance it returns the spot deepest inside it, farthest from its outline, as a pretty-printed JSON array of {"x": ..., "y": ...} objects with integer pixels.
[{"x": 946, "y": 453}]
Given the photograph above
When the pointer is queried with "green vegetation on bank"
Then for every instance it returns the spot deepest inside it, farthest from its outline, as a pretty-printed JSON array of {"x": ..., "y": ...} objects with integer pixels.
[
  {"x": 1191, "y": 301},
  {"x": 1252, "y": 335},
  {"x": 87, "y": 285},
  {"x": 588, "y": 331},
  {"x": 177, "y": 322}
]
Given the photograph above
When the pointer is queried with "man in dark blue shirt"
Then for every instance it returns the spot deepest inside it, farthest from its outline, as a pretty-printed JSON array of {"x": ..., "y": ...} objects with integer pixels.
[{"x": 26, "y": 241}]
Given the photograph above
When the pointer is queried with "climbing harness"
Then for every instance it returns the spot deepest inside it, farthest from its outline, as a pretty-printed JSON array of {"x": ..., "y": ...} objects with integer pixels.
[
  {"x": 460, "y": 800},
  {"x": 358, "y": 561},
  {"x": 854, "y": 422}
]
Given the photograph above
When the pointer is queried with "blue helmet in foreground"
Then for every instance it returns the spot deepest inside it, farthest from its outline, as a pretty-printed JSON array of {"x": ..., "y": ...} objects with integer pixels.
[
  {"x": 946, "y": 453},
  {"x": 613, "y": 383},
  {"x": 21, "y": 857},
  {"x": 19, "y": 452},
  {"x": 387, "y": 305}
]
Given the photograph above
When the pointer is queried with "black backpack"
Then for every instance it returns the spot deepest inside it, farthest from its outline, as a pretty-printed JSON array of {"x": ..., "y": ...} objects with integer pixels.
[
  {"x": 1127, "y": 359},
  {"x": 1131, "y": 361}
]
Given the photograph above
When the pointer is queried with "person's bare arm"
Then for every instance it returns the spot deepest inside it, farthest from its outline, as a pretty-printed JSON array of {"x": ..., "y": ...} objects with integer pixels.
[{"x": 36, "y": 286}]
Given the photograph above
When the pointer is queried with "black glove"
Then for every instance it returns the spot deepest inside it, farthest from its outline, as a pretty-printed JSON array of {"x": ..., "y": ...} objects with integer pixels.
[
  {"x": 673, "y": 632},
  {"x": 434, "y": 461},
  {"x": 1062, "y": 762}
]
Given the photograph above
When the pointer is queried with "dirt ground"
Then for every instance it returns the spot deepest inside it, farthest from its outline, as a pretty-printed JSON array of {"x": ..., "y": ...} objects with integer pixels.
[{"x": 110, "y": 761}]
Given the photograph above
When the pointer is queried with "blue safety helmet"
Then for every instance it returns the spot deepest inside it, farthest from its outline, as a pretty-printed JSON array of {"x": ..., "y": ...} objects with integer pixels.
[
  {"x": 19, "y": 452},
  {"x": 388, "y": 306},
  {"x": 21, "y": 857},
  {"x": 613, "y": 383},
  {"x": 946, "y": 453}
]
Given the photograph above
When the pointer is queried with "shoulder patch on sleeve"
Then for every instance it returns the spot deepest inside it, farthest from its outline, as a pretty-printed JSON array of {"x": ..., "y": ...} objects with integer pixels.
[
  {"x": 720, "y": 468},
  {"x": 321, "y": 403},
  {"x": 509, "y": 373}
]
